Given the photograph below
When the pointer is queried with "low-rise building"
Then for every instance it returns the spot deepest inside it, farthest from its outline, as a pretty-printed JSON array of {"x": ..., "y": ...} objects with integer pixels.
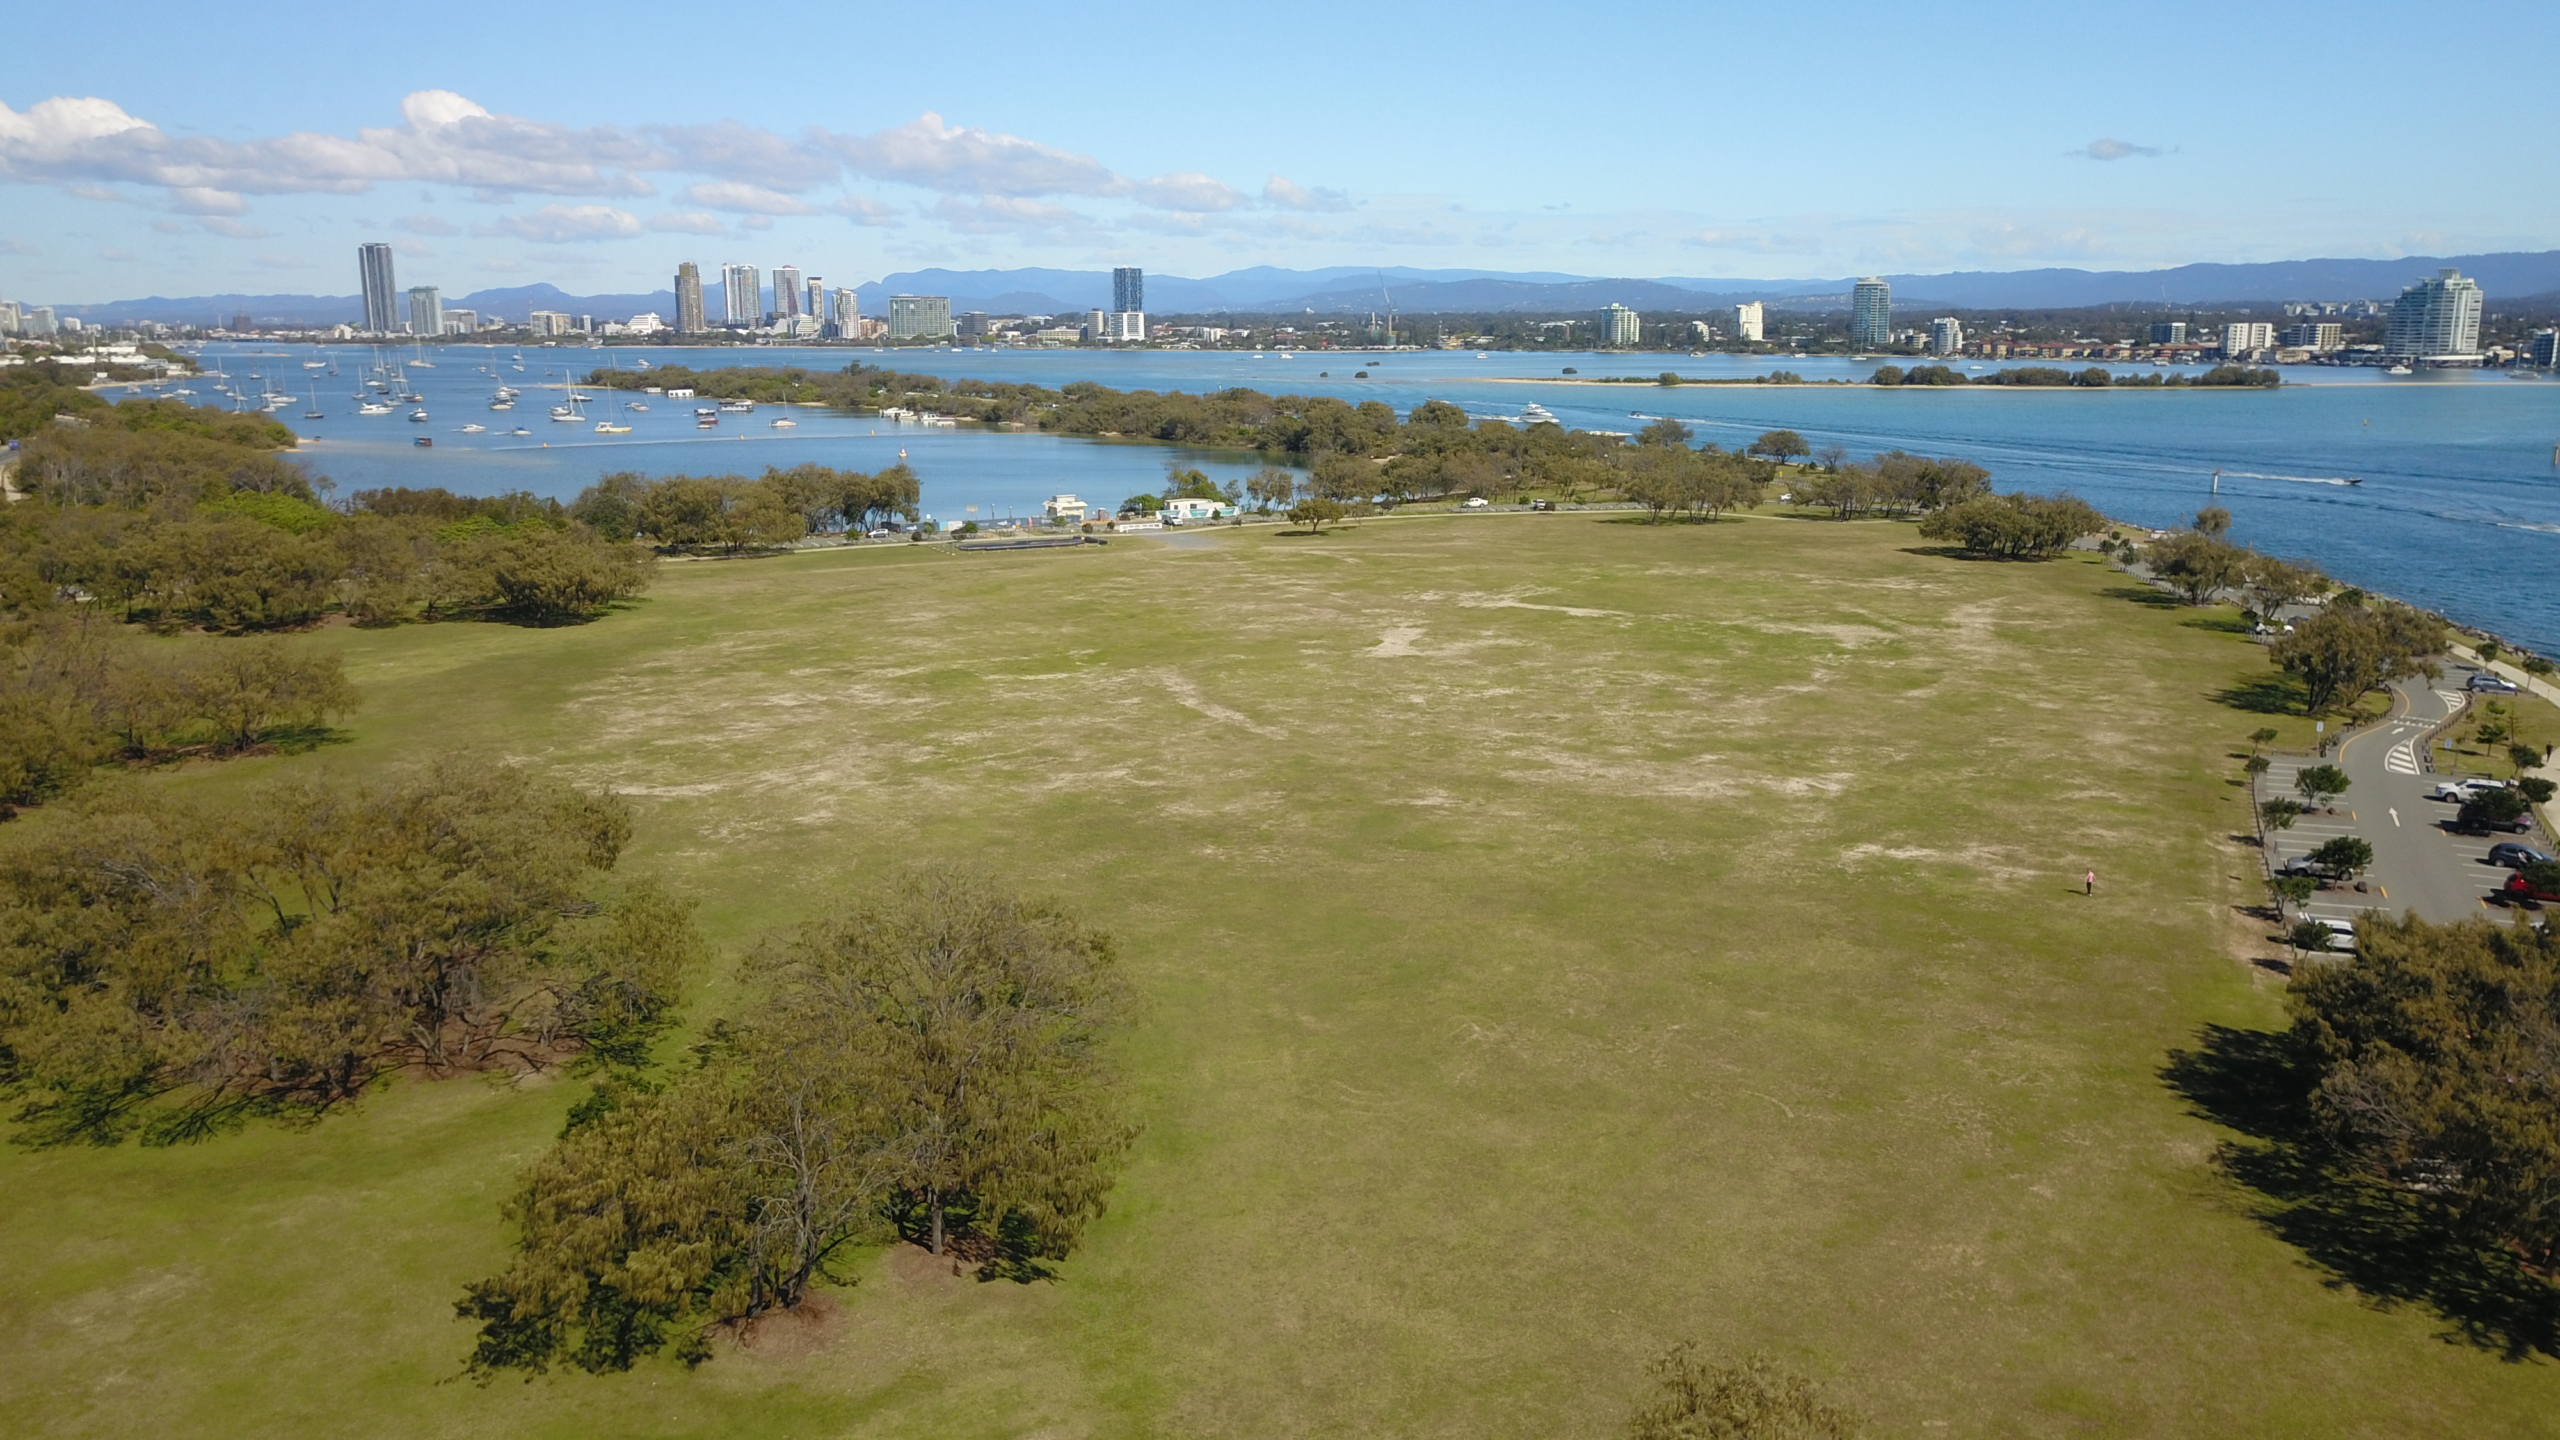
[
  {"x": 1066, "y": 509},
  {"x": 1193, "y": 508}
]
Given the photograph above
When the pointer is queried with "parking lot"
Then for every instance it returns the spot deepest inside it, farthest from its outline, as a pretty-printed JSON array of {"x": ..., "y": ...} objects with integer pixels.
[{"x": 2420, "y": 864}]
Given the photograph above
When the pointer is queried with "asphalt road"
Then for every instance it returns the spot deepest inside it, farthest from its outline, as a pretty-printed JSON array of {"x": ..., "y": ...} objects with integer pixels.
[{"x": 2419, "y": 865}]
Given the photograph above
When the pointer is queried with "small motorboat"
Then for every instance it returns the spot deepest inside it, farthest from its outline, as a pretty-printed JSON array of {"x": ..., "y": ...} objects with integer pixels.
[
  {"x": 706, "y": 422},
  {"x": 634, "y": 405},
  {"x": 786, "y": 424},
  {"x": 519, "y": 430},
  {"x": 425, "y": 442},
  {"x": 373, "y": 407},
  {"x": 607, "y": 427},
  {"x": 417, "y": 417},
  {"x": 474, "y": 429}
]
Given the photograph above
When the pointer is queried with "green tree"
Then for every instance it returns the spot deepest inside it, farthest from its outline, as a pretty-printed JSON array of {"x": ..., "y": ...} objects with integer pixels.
[
  {"x": 2272, "y": 584},
  {"x": 2492, "y": 808},
  {"x": 1316, "y": 512},
  {"x": 2524, "y": 757},
  {"x": 1697, "y": 1399},
  {"x": 2308, "y": 934},
  {"x": 2264, "y": 735},
  {"x": 2434, "y": 1084},
  {"x": 2213, "y": 521},
  {"x": 1665, "y": 431},
  {"x": 975, "y": 1021},
  {"x": 174, "y": 968},
  {"x": 557, "y": 577},
  {"x": 1271, "y": 487},
  {"x": 2198, "y": 566},
  {"x": 2343, "y": 855},
  {"x": 2292, "y": 890},
  {"x": 2280, "y": 812},
  {"x": 2321, "y": 784},
  {"x": 2347, "y": 650},
  {"x": 1780, "y": 445}
]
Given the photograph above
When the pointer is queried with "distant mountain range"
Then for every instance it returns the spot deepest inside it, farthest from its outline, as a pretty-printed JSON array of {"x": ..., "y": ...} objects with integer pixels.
[{"x": 1347, "y": 289}]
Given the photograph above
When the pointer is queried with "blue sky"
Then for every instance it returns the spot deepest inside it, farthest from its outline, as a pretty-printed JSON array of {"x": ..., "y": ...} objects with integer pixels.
[{"x": 163, "y": 149}]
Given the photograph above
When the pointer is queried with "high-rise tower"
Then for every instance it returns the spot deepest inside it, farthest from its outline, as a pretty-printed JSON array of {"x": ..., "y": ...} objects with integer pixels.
[
  {"x": 1871, "y": 315},
  {"x": 381, "y": 292},
  {"x": 689, "y": 319},
  {"x": 741, "y": 295},
  {"x": 2436, "y": 319},
  {"x": 1128, "y": 288}
]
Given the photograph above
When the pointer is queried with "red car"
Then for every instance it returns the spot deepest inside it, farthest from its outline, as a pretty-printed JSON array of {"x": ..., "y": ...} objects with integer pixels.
[{"x": 2520, "y": 886}]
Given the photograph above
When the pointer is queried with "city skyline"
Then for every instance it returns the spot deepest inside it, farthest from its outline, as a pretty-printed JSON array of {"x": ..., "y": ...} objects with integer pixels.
[{"x": 127, "y": 177}]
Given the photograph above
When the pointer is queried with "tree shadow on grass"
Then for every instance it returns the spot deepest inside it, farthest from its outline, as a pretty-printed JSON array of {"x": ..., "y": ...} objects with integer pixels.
[
  {"x": 2222, "y": 624},
  {"x": 2382, "y": 1240},
  {"x": 2145, "y": 595},
  {"x": 2270, "y": 694},
  {"x": 1958, "y": 552}
]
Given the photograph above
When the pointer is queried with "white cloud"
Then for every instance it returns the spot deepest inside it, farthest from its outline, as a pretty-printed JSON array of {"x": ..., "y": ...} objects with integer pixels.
[
  {"x": 2115, "y": 150},
  {"x": 1003, "y": 215},
  {"x": 757, "y": 222},
  {"x": 1753, "y": 242},
  {"x": 199, "y": 200},
  {"x": 564, "y": 224},
  {"x": 746, "y": 153},
  {"x": 427, "y": 225},
  {"x": 444, "y": 138},
  {"x": 687, "y": 222},
  {"x": 863, "y": 210},
  {"x": 1190, "y": 190},
  {"x": 236, "y": 229},
  {"x": 749, "y": 199},
  {"x": 964, "y": 160},
  {"x": 1288, "y": 194}
]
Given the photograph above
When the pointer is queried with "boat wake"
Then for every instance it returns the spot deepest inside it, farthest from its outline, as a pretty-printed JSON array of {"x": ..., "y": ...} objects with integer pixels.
[{"x": 2296, "y": 479}]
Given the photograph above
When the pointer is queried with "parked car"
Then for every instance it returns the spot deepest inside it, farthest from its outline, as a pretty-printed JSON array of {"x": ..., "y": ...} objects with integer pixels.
[
  {"x": 2304, "y": 865},
  {"x": 1475, "y": 502},
  {"x": 2520, "y": 887},
  {"x": 2515, "y": 856},
  {"x": 2456, "y": 791},
  {"x": 1542, "y": 504},
  {"x": 2342, "y": 933},
  {"x": 2492, "y": 684}
]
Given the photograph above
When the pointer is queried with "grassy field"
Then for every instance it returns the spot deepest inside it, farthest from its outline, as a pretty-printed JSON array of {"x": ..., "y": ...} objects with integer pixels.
[{"x": 1559, "y": 937}]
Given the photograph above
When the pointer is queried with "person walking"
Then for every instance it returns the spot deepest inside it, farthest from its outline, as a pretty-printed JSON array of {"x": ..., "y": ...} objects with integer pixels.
[{"x": 2089, "y": 883}]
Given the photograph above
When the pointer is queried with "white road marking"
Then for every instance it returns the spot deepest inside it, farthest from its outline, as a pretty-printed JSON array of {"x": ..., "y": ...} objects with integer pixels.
[
  {"x": 2403, "y": 759},
  {"x": 2395, "y": 817}
]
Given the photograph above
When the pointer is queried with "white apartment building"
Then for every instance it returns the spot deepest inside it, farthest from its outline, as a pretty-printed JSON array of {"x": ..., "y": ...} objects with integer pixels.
[
  {"x": 2243, "y": 337},
  {"x": 1746, "y": 321},
  {"x": 1620, "y": 326},
  {"x": 2436, "y": 320},
  {"x": 1870, "y": 314},
  {"x": 1946, "y": 336},
  {"x": 1125, "y": 327}
]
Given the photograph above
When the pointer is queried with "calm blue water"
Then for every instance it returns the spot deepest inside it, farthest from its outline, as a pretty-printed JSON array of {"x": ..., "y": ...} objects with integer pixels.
[{"x": 2459, "y": 510}]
